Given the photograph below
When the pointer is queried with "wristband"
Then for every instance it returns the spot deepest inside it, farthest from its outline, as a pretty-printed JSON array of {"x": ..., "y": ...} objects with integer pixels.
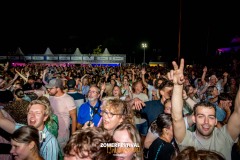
[{"x": 185, "y": 98}]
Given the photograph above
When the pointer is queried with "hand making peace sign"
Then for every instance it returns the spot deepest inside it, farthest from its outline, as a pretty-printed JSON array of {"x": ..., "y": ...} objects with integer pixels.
[{"x": 176, "y": 75}]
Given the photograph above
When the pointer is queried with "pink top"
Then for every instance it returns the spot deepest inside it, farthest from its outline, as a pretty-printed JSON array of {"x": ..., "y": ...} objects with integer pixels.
[{"x": 61, "y": 107}]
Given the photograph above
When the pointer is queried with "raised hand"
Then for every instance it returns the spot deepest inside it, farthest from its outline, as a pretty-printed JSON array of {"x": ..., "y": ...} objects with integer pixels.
[
  {"x": 137, "y": 104},
  {"x": 176, "y": 75},
  {"x": 103, "y": 86},
  {"x": 205, "y": 69},
  {"x": 143, "y": 71}
]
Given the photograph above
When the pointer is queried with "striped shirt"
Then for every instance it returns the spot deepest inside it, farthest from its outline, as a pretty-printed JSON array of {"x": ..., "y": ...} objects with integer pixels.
[{"x": 49, "y": 148}]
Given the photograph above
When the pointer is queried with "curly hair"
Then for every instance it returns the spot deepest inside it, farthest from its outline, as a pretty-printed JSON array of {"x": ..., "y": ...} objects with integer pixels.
[
  {"x": 116, "y": 105},
  {"x": 190, "y": 153},
  {"x": 87, "y": 143}
]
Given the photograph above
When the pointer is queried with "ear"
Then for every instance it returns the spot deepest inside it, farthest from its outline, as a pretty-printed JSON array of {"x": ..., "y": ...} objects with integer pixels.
[
  {"x": 161, "y": 92},
  {"x": 45, "y": 118},
  {"x": 31, "y": 145},
  {"x": 165, "y": 130},
  {"x": 194, "y": 119},
  {"x": 216, "y": 121},
  {"x": 121, "y": 119}
]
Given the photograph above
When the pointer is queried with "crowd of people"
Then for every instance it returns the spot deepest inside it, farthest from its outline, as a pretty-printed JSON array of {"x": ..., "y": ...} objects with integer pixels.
[{"x": 130, "y": 112}]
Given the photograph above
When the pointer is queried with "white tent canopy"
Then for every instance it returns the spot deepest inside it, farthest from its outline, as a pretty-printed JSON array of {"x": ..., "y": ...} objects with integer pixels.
[
  {"x": 106, "y": 52},
  {"x": 77, "y": 52},
  {"x": 48, "y": 52},
  {"x": 19, "y": 51}
]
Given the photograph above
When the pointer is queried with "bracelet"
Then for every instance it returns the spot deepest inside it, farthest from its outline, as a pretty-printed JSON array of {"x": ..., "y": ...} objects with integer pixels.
[{"x": 185, "y": 98}]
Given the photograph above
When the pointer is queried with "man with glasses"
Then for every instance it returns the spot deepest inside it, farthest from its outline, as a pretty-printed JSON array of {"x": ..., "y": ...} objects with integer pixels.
[
  {"x": 64, "y": 107},
  {"x": 89, "y": 112}
]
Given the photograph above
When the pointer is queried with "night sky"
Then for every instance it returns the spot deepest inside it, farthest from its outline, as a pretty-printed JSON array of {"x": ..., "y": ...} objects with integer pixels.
[{"x": 121, "y": 27}]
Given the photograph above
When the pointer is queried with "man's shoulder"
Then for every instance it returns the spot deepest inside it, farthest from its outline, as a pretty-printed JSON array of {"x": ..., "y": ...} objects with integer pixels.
[
  {"x": 18, "y": 125},
  {"x": 153, "y": 102},
  {"x": 68, "y": 97},
  {"x": 153, "y": 107},
  {"x": 76, "y": 95},
  {"x": 84, "y": 106}
]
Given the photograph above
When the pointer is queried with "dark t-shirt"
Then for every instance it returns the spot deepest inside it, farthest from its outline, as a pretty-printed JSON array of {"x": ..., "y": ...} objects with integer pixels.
[
  {"x": 27, "y": 87},
  {"x": 152, "y": 110},
  {"x": 6, "y": 96},
  {"x": 161, "y": 150}
]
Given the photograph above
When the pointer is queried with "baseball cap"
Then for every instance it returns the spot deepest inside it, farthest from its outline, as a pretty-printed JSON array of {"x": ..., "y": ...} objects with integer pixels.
[
  {"x": 71, "y": 83},
  {"x": 54, "y": 83}
]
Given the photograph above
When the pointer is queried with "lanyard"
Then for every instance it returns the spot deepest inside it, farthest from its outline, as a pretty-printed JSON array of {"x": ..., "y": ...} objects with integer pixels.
[{"x": 93, "y": 111}]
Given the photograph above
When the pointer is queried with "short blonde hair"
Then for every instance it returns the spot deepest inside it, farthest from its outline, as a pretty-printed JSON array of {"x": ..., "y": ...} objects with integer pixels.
[{"x": 47, "y": 110}]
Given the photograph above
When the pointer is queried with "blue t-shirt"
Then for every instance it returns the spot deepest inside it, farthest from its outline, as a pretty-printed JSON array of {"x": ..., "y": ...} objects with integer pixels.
[
  {"x": 85, "y": 113},
  {"x": 220, "y": 113}
]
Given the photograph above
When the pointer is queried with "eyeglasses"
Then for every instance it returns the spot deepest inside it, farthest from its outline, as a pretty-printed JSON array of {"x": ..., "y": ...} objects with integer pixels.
[
  {"x": 93, "y": 92},
  {"x": 109, "y": 114}
]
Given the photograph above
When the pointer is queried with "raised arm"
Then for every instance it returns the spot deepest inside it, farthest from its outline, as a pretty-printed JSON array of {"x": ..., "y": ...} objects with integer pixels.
[
  {"x": 11, "y": 82},
  {"x": 6, "y": 124},
  {"x": 103, "y": 88},
  {"x": 22, "y": 76},
  {"x": 204, "y": 75},
  {"x": 83, "y": 77},
  {"x": 177, "y": 77},
  {"x": 233, "y": 125},
  {"x": 6, "y": 66},
  {"x": 225, "y": 76},
  {"x": 44, "y": 76},
  {"x": 143, "y": 72}
]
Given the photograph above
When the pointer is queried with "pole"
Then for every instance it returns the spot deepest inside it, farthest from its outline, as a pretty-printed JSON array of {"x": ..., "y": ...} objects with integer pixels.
[
  {"x": 144, "y": 46},
  {"x": 179, "y": 30},
  {"x": 144, "y": 55}
]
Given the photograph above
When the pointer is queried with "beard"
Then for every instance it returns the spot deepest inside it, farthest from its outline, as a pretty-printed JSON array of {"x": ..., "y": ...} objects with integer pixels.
[
  {"x": 52, "y": 94},
  {"x": 91, "y": 99},
  {"x": 203, "y": 133}
]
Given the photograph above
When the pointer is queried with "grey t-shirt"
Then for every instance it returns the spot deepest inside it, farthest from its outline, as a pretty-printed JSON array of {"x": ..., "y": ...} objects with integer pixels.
[{"x": 220, "y": 142}]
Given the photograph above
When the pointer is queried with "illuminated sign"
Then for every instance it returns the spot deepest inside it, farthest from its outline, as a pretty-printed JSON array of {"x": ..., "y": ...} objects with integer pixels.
[
  {"x": 102, "y": 58},
  {"x": 38, "y": 58},
  {"x": 64, "y": 58},
  {"x": 118, "y": 58},
  {"x": 88, "y": 58},
  {"x": 76, "y": 58},
  {"x": 51, "y": 58}
]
